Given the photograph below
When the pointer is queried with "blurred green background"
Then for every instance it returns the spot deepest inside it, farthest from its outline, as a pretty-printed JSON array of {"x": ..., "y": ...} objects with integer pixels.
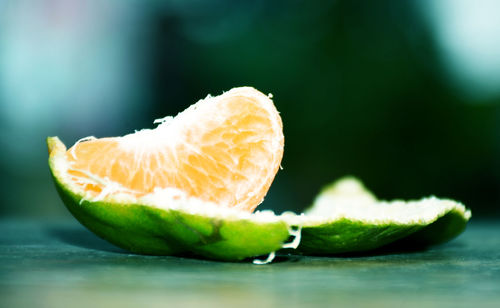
[{"x": 403, "y": 94}]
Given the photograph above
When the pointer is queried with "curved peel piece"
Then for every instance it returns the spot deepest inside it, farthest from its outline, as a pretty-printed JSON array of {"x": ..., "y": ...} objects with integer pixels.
[
  {"x": 148, "y": 227},
  {"x": 346, "y": 217}
]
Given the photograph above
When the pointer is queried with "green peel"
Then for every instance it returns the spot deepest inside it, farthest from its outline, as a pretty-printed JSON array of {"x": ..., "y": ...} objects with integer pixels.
[{"x": 414, "y": 223}]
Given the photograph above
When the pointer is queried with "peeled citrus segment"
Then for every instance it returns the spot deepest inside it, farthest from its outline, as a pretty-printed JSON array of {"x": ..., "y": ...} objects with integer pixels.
[
  {"x": 225, "y": 150},
  {"x": 166, "y": 224},
  {"x": 345, "y": 217}
]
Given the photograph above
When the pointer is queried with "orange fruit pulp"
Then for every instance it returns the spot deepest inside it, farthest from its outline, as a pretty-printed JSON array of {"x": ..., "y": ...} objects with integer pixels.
[{"x": 225, "y": 150}]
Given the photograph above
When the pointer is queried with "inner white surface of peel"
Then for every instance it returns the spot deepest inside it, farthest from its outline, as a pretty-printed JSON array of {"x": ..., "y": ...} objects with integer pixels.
[
  {"x": 422, "y": 211},
  {"x": 348, "y": 198}
]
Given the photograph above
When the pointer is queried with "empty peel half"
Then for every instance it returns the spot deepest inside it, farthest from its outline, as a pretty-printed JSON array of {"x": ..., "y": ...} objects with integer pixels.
[{"x": 346, "y": 217}]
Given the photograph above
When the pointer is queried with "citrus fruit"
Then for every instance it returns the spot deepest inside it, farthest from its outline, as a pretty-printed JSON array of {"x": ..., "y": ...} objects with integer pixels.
[
  {"x": 186, "y": 186},
  {"x": 189, "y": 187},
  {"x": 346, "y": 217}
]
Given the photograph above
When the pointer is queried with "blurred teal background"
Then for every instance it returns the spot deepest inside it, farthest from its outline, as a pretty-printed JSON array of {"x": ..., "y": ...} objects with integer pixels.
[{"x": 403, "y": 94}]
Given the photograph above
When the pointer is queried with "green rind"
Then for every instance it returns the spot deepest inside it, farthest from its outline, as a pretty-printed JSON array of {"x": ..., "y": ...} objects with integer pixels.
[
  {"x": 149, "y": 230},
  {"x": 346, "y": 235},
  {"x": 225, "y": 239},
  {"x": 444, "y": 229}
]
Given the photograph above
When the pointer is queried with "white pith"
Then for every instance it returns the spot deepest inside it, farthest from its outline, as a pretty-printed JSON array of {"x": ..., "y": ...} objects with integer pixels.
[{"x": 349, "y": 199}]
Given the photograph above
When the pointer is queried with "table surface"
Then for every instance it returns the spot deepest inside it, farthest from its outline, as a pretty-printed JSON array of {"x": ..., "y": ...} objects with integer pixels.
[{"x": 61, "y": 264}]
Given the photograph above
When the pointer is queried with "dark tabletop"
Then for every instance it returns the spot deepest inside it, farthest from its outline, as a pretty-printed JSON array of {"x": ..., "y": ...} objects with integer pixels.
[{"x": 61, "y": 264}]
